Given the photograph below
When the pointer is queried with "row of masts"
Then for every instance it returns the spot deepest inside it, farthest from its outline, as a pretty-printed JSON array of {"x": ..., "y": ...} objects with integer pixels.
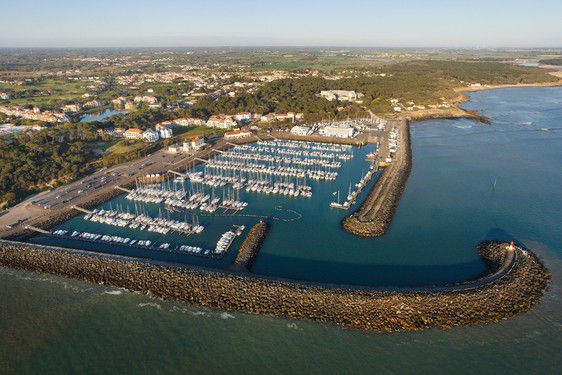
[
  {"x": 143, "y": 221},
  {"x": 354, "y": 193}
]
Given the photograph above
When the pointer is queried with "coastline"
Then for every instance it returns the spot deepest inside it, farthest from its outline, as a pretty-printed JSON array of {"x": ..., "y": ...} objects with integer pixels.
[
  {"x": 513, "y": 284},
  {"x": 297, "y": 292},
  {"x": 457, "y": 112}
]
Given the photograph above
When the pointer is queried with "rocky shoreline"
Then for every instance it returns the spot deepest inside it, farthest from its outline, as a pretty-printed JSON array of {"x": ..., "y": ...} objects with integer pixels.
[
  {"x": 250, "y": 247},
  {"x": 509, "y": 288},
  {"x": 374, "y": 216}
]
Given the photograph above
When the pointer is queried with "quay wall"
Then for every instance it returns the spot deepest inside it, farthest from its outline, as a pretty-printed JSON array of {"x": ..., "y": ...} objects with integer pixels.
[
  {"x": 250, "y": 247},
  {"x": 508, "y": 289},
  {"x": 319, "y": 138},
  {"x": 375, "y": 214}
]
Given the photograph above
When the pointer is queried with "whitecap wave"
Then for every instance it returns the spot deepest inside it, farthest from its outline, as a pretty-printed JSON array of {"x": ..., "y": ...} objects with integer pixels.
[
  {"x": 113, "y": 292},
  {"x": 150, "y": 304},
  {"x": 199, "y": 313},
  {"x": 293, "y": 326}
]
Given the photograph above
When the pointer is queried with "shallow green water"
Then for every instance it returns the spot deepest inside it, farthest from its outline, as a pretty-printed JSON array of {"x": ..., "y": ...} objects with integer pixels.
[{"x": 55, "y": 325}]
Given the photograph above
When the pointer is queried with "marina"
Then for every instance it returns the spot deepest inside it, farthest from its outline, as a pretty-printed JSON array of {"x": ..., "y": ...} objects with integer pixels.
[
  {"x": 219, "y": 251},
  {"x": 193, "y": 209}
]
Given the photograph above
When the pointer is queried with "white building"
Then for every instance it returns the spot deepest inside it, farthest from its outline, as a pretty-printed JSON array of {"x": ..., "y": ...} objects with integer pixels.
[
  {"x": 175, "y": 149},
  {"x": 188, "y": 121},
  {"x": 4, "y": 96},
  {"x": 301, "y": 130},
  {"x": 268, "y": 117},
  {"x": 133, "y": 133},
  {"x": 71, "y": 108},
  {"x": 146, "y": 99},
  {"x": 245, "y": 116},
  {"x": 342, "y": 95},
  {"x": 337, "y": 131},
  {"x": 237, "y": 134},
  {"x": 194, "y": 143},
  {"x": 165, "y": 132},
  {"x": 221, "y": 122},
  {"x": 150, "y": 135}
]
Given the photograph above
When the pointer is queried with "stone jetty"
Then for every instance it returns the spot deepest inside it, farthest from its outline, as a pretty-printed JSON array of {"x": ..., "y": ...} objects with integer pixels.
[
  {"x": 250, "y": 247},
  {"x": 515, "y": 282},
  {"x": 374, "y": 216}
]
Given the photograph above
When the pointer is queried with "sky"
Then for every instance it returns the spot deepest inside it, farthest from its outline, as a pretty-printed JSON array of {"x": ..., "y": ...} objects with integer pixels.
[{"x": 351, "y": 23}]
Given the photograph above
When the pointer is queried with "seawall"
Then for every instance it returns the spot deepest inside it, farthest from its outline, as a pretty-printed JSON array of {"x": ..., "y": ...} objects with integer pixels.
[
  {"x": 374, "y": 216},
  {"x": 250, "y": 247},
  {"x": 513, "y": 284}
]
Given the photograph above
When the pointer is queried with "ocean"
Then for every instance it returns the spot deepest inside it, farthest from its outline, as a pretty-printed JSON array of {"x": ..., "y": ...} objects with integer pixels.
[{"x": 470, "y": 182}]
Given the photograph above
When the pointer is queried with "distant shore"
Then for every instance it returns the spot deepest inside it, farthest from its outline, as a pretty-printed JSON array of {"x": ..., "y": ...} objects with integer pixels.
[{"x": 456, "y": 112}]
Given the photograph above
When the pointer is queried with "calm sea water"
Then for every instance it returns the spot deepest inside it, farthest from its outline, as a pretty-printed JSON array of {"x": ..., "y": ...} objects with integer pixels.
[
  {"x": 469, "y": 182},
  {"x": 99, "y": 116}
]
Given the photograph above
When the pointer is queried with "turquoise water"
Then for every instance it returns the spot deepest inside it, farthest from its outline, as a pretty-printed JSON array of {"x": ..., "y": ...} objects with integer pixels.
[{"x": 55, "y": 325}]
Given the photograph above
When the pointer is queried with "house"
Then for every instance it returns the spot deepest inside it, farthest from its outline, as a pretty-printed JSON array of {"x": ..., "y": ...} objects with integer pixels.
[
  {"x": 145, "y": 99},
  {"x": 295, "y": 116},
  {"x": 123, "y": 102},
  {"x": 301, "y": 130},
  {"x": 268, "y": 117},
  {"x": 71, "y": 108},
  {"x": 221, "y": 122},
  {"x": 150, "y": 135},
  {"x": 237, "y": 134},
  {"x": 188, "y": 121},
  {"x": 337, "y": 131},
  {"x": 175, "y": 149},
  {"x": 119, "y": 133},
  {"x": 195, "y": 143},
  {"x": 133, "y": 133},
  {"x": 93, "y": 104},
  {"x": 284, "y": 116},
  {"x": 243, "y": 117},
  {"x": 4, "y": 96}
]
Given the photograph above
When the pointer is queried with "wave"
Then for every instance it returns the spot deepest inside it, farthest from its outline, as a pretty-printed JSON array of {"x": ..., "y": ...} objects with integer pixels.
[
  {"x": 200, "y": 313},
  {"x": 150, "y": 304},
  {"x": 113, "y": 292},
  {"x": 293, "y": 326}
]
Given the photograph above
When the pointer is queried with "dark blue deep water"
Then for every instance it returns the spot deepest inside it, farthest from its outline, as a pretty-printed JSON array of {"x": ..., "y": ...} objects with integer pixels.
[{"x": 469, "y": 182}]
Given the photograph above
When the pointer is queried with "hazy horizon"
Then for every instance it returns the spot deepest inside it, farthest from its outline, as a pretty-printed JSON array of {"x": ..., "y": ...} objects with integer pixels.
[{"x": 252, "y": 23}]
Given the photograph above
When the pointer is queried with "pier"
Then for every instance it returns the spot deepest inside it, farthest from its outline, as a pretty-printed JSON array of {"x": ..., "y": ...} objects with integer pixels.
[
  {"x": 375, "y": 214},
  {"x": 122, "y": 189},
  {"x": 81, "y": 209},
  {"x": 38, "y": 230},
  {"x": 250, "y": 247}
]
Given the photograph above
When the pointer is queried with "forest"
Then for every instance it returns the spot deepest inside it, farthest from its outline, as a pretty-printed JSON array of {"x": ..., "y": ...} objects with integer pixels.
[{"x": 39, "y": 160}]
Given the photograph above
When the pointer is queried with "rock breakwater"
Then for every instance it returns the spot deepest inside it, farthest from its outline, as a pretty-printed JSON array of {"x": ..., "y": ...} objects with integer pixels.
[
  {"x": 374, "y": 216},
  {"x": 250, "y": 247},
  {"x": 514, "y": 284}
]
